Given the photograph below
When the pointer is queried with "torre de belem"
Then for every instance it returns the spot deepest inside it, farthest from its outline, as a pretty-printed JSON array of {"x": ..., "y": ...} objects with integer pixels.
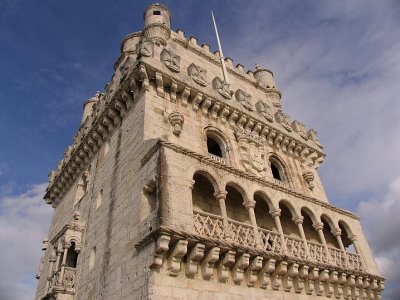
[{"x": 181, "y": 184}]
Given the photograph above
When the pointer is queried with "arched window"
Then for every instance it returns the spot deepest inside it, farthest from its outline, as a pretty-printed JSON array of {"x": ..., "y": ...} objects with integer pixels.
[
  {"x": 213, "y": 147},
  {"x": 72, "y": 256},
  {"x": 277, "y": 170}
]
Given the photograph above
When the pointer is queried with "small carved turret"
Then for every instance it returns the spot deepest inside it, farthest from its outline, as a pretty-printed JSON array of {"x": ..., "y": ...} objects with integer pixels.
[
  {"x": 157, "y": 23},
  {"x": 265, "y": 79},
  {"x": 88, "y": 106}
]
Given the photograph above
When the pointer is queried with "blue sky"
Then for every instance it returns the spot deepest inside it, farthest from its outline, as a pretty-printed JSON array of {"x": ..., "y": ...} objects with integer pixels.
[{"x": 336, "y": 63}]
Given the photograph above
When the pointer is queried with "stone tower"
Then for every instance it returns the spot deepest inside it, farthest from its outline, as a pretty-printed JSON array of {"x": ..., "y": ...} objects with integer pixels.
[{"x": 179, "y": 185}]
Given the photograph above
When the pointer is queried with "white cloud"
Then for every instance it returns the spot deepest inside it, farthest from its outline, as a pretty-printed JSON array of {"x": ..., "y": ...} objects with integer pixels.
[{"x": 24, "y": 223}]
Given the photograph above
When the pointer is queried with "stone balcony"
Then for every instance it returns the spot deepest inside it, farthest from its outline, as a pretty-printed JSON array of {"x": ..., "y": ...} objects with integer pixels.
[
  {"x": 212, "y": 226},
  {"x": 61, "y": 282}
]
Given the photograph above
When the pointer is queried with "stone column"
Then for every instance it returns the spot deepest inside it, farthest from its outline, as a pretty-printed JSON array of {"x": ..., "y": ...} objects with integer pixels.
[
  {"x": 250, "y": 204},
  {"x": 337, "y": 232},
  {"x": 64, "y": 263},
  {"x": 221, "y": 197},
  {"x": 319, "y": 228},
  {"x": 353, "y": 239},
  {"x": 276, "y": 213},
  {"x": 299, "y": 222}
]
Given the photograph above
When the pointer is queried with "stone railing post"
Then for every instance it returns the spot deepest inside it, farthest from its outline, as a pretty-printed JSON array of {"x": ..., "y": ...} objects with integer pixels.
[
  {"x": 250, "y": 204},
  {"x": 319, "y": 228},
  {"x": 276, "y": 213},
  {"x": 337, "y": 232},
  {"x": 299, "y": 222}
]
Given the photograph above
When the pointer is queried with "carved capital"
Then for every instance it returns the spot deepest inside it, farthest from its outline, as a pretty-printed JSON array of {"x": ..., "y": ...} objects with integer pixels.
[
  {"x": 298, "y": 220},
  {"x": 176, "y": 120},
  {"x": 221, "y": 195},
  {"x": 318, "y": 226},
  {"x": 275, "y": 212},
  {"x": 249, "y": 204}
]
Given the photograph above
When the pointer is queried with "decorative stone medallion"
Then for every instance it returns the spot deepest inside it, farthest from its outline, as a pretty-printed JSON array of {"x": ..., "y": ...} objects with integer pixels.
[
  {"x": 198, "y": 74},
  {"x": 264, "y": 109},
  {"x": 222, "y": 87},
  {"x": 145, "y": 48},
  {"x": 244, "y": 99},
  {"x": 283, "y": 119},
  {"x": 171, "y": 60}
]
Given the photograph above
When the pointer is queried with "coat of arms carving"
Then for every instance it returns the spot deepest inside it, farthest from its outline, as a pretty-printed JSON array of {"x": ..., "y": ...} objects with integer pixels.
[
  {"x": 312, "y": 135},
  {"x": 244, "y": 99},
  {"x": 264, "y": 109},
  {"x": 222, "y": 87},
  {"x": 198, "y": 74},
  {"x": 171, "y": 60},
  {"x": 144, "y": 48},
  {"x": 283, "y": 119}
]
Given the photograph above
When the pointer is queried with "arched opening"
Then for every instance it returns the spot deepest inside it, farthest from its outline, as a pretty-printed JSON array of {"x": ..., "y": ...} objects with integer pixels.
[
  {"x": 263, "y": 217},
  {"x": 277, "y": 169},
  {"x": 288, "y": 226},
  {"x": 330, "y": 239},
  {"x": 234, "y": 206},
  {"x": 203, "y": 196},
  {"x": 345, "y": 236},
  {"x": 309, "y": 231},
  {"x": 72, "y": 256},
  {"x": 213, "y": 147}
]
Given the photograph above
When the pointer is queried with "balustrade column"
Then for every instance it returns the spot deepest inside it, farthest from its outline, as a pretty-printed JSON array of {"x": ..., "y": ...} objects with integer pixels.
[
  {"x": 221, "y": 197},
  {"x": 64, "y": 262},
  {"x": 338, "y": 234},
  {"x": 353, "y": 239},
  {"x": 250, "y": 204},
  {"x": 299, "y": 222},
  {"x": 319, "y": 228},
  {"x": 276, "y": 213}
]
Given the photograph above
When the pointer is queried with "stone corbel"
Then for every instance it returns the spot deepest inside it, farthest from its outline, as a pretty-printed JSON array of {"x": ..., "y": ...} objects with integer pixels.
[
  {"x": 357, "y": 291},
  {"x": 349, "y": 286},
  {"x": 233, "y": 119},
  {"x": 308, "y": 177},
  {"x": 162, "y": 247},
  {"x": 128, "y": 99},
  {"x": 264, "y": 133},
  {"x": 271, "y": 136},
  {"x": 174, "y": 89},
  {"x": 205, "y": 106},
  {"x": 115, "y": 116},
  {"x": 196, "y": 101},
  {"x": 303, "y": 154},
  {"x": 93, "y": 143},
  {"x": 291, "y": 146},
  {"x": 207, "y": 266},
  {"x": 292, "y": 272},
  {"x": 278, "y": 140},
  {"x": 284, "y": 144},
  {"x": 298, "y": 281},
  {"x": 242, "y": 121},
  {"x": 214, "y": 110},
  {"x": 238, "y": 269},
  {"x": 224, "y": 266},
  {"x": 103, "y": 131},
  {"x": 252, "y": 270},
  {"x": 108, "y": 123},
  {"x": 193, "y": 259},
  {"x": 249, "y": 125},
  {"x": 365, "y": 288},
  {"x": 264, "y": 275},
  {"x": 159, "y": 84},
  {"x": 185, "y": 96},
  {"x": 330, "y": 285},
  {"x": 224, "y": 114},
  {"x": 338, "y": 287},
  {"x": 280, "y": 270},
  {"x": 313, "y": 275},
  {"x": 144, "y": 78},
  {"x": 175, "y": 258},
  {"x": 120, "y": 106},
  {"x": 320, "y": 283},
  {"x": 176, "y": 120}
]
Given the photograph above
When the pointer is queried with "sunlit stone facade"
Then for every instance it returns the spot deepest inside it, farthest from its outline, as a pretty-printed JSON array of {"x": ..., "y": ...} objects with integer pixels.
[{"x": 179, "y": 185}]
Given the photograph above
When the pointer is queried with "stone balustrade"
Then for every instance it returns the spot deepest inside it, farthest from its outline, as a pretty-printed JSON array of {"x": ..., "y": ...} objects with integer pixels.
[{"x": 62, "y": 282}]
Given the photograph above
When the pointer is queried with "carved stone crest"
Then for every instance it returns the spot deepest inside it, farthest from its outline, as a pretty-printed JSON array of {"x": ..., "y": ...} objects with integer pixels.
[
  {"x": 312, "y": 135},
  {"x": 244, "y": 99},
  {"x": 171, "y": 60},
  {"x": 300, "y": 129},
  {"x": 145, "y": 48},
  {"x": 222, "y": 87},
  {"x": 283, "y": 119},
  {"x": 252, "y": 153},
  {"x": 198, "y": 74},
  {"x": 264, "y": 109}
]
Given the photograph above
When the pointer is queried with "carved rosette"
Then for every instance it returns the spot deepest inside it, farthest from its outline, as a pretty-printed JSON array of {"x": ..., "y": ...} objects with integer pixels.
[
  {"x": 252, "y": 153},
  {"x": 244, "y": 98},
  {"x": 176, "y": 120},
  {"x": 222, "y": 87},
  {"x": 144, "y": 48},
  {"x": 264, "y": 109},
  {"x": 198, "y": 74},
  {"x": 283, "y": 119},
  {"x": 300, "y": 129},
  {"x": 171, "y": 60},
  {"x": 308, "y": 177}
]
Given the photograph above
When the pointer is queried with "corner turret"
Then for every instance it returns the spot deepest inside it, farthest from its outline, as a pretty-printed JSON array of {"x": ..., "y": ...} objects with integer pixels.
[{"x": 157, "y": 23}]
